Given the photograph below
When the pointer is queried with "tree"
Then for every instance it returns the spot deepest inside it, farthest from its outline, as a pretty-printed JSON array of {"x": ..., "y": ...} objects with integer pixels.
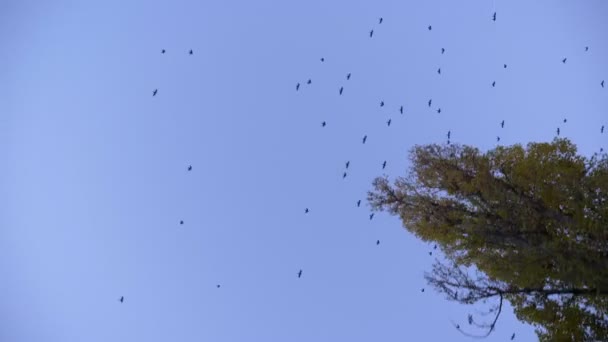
[{"x": 527, "y": 225}]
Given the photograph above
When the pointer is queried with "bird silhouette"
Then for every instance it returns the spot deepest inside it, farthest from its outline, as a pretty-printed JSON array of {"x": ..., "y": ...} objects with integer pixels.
[
  {"x": 381, "y": 103},
  {"x": 162, "y": 51},
  {"x": 389, "y": 122},
  {"x": 513, "y": 337},
  {"x": 218, "y": 286},
  {"x": 377, "y": 242},
  {"x": 384, "y": 165},
  {"x": 358, "y": 203},
  {"x": 323, "y": 124},
  {"x": 401, "y": 110},
  {"x": 364, "y": 139},
  {"x": 494, "y": 84},
  {"x": 564, "y": 60},
  {"x": 154, "y": 92},
  {"x": 371, "y": 216},
  {"x": 438, "y": 110},
  {"x": 344, "y": 175},
  {"x": 435, "y": 247},
  {"x": 347, "y": 164},
  {"x": 602, "y": 83},
  {"x": 430, "y": 27},
  {"x": 497, "y": 138},
  {"x": 122, "y": 299},
  {"x": 181, "y": 222},
  {"x": 322, "y": 59},
  {"x": 449, "y": 133},
  {"x": 430, "y": 101},
  {"x": 494, "y": 17},
  {"x": 448, "y": 141},
  {"x": 309, "y": 81},
  {"x": 470, "y": 319},
  {"x": 439, "y": 71},
  {"x": 602, "y": 129},
  {"x": 189, "y": 167},
  {"x": 306, "y": 211},
  {"x": 565, "y": 120},
  {"x": 586, "y": 48},
  {"x": 371, "y": 33},
  {"x": 430, "y": 253},
  {"x": 502, "y": 124},
  {"x": 457, "y": 326},
  {"x": 297, "y": 86},
  {"x": 348, "y": 76},
  {"x": 380, "y": 21},
  {"x": 300, "y": 274},
  {"x": 341, "y": 90},
  {"x": 422, "y": 289},
  {"x": 442, "y": 51},
  {"x": 191, "y": 52},
  {"x": 558, "y": 131},
  {"x": 504, "y": 66}
]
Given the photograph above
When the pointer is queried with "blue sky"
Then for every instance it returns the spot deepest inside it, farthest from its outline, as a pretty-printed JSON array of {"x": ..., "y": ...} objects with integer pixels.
[{"x": 94, "y": 178}]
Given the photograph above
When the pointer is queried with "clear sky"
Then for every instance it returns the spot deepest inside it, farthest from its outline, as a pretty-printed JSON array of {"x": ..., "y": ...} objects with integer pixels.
[{"x": 94, "y": 180}]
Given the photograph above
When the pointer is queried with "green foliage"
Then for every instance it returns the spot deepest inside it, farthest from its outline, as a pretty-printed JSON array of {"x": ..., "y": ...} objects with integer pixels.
[{"x": 532, "y": 220}]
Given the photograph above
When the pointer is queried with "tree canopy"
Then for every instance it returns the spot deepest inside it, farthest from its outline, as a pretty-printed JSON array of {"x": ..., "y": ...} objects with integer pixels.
[{"x": 528, "y": 225}]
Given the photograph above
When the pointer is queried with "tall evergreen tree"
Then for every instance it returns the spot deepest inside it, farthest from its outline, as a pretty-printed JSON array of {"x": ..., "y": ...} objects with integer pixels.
[{"x": 527, "y": 225}]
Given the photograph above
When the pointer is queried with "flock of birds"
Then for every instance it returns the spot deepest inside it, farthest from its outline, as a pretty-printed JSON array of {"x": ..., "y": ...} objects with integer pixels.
[{"x": 365, "y": 137}]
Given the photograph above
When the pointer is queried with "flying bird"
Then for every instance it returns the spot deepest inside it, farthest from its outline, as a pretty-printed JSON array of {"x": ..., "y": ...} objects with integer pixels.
[
  {"x": 430, "y": 101},
  {"x": 401, "y": 110},
  {"x": 457, "y": 326},
  {"x": 422, "y": 290},
  {"x": 347, "y": 164},
  {"x": 449, "y": 132},
  {"x": 358, "y": 203},
  {"x": 181, "y": 222},
  {"x": 557, "y": 130},
  {"x": 218, "y": 286},
  {"x": 565, "y": 120},
  {"x": 377, "y": 242},
  {"x": 470, "y": 319},
  {"x": 430, "y": 253},
  {"x": 602, "y": 83},
  {"x": 122, "y": 299},
  {"x": 504, "y": 66},
  {"x": 389, "y": 122},
  {"x": 323, "y": 124},
  {"x": 497, "y": 138},
  {"x": 494, "y": 17},
  {"x": 430, "y": 27},
  {"x": 384, "y": 165},
  {"x": 154, "y": 92},
  {"x": 371, "y": 216},
  {"x": 309, "y": 81},
  {"x": 300, "y": 274},
  {"x": 435, "y": 247},
  {"x": 344, "y": 175},
  {"x": 513, "y": 337},
  {"x": 380, "y": 21},
  {"x": 322, "y": 59},
  {"x": 502, "y": 124},
  {"x": 348, "y": 76},
  {"x": 371, "y": 33},
  {"x": 191, "y": 52},
  {"x": 189, "y": 167},
  {"x": 439, "y": 111},
  {"x": 364, "y": 139},
  {"x": 306, "y": 211},
  {"x": 586, "y": 48},
  {"x": 381, "y": 103},
  {"x": 297, "y": 86},
  {"x": 494, "y": 84},
  {"x": 341, "y": 90},
  {"x": 602, "y": 130},
  {"x": 564, "y": 60},
  {"x": 439, "y": 71},
  {"x": 162, "y": 51},
  {"x": 442, "y": 51}
]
